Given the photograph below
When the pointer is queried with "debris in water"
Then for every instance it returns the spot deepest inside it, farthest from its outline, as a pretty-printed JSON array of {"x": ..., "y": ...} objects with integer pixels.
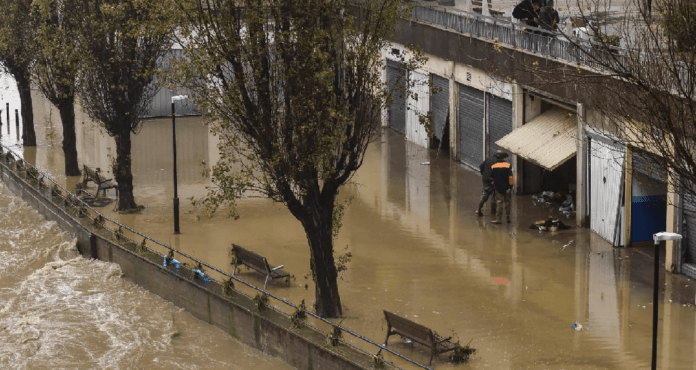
[
  {"x": 501, "y": 281},
  {"x": 577, "y": 326},
  {"x": 563, "y": 247},
  {"x": 425, "y": 163}
]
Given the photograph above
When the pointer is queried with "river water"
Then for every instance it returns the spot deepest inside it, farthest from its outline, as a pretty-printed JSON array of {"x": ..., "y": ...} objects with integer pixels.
[
  {"x": 418, "y": 250},
  {"x": 61, "y": 311}
]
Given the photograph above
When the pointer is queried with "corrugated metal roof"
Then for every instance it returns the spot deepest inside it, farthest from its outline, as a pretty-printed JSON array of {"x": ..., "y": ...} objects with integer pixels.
[{"x": 548, "y": 140}]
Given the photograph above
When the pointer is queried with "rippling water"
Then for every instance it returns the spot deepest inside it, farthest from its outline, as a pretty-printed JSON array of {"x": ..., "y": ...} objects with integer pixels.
[{"x": 61, "y": 311}]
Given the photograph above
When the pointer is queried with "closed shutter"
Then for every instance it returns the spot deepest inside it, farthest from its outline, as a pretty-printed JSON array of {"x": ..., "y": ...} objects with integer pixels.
[
  {"x": 689, "y": 242},
  {"x": 499, "y": 120},
  {"x": 471, "y": 125},
  {"x": 397, "y": 111},
  {"x": 418, "y": 104},
  {"x": 439, "y": 104}
]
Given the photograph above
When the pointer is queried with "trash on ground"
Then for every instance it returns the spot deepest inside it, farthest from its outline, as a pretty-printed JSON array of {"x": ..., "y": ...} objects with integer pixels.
[
  {"x": 564, "y": 247},
  {"x": 549, "y": 199},
  {"x": 501, "y": 281},
  {"x": 577, "y": 326},
  {"x": 550, "y": 224},
  {"x": 425, "y": 163}
]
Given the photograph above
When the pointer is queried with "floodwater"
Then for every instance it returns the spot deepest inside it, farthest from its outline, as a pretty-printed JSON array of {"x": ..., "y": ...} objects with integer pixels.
[
  {"x": 419, "y": 251},
  {"x": 61, "y": 311}
]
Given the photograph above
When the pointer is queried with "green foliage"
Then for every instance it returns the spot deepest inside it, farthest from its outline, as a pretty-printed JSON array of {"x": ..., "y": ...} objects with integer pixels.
[
  {"x": 461, "y": 354},
  {"x": 299, "y": 315},
  {"x": 294, "y": 93},
  {"x": 608, "y": 40},
  {"x": 16, "y": 38},
  {"x": 227, "y": 287},
  {"x": 56, "y": 42},
  {"x": 679, "y": 23},
  {"x": 261, "y": 301},
  {"x": 335, "y": 335},
  {"x": 342, "y": 261},
  {"x": 378, "y": 361}
]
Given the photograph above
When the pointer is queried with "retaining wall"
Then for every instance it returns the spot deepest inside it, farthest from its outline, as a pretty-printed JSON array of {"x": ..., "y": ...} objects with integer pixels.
[{"x": 268, "y": 331}]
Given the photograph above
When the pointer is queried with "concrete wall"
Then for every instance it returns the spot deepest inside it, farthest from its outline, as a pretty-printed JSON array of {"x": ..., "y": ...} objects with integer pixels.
[{"x": 267, "y": 330}]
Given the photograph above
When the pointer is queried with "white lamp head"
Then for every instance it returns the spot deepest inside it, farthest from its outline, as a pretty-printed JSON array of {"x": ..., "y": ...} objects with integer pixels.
[
  {"x": 179, "y": 97},
  {"x": 666, "y": 236}
]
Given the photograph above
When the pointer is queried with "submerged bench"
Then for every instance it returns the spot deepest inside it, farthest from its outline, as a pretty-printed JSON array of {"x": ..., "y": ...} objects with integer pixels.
[
  {"x": 258, "y": 263},
  {"x": 417, "y": 333},
  {"x": 102, "y": 183}
]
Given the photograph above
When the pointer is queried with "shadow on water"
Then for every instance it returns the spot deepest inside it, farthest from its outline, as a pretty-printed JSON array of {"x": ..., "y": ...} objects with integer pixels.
[{"x": 419, "y": 251}]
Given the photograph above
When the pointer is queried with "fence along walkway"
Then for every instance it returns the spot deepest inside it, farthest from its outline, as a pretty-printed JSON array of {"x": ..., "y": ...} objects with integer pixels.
[
  {"x": 536, "y": 40},
  {"x": 69, "y": 199}
]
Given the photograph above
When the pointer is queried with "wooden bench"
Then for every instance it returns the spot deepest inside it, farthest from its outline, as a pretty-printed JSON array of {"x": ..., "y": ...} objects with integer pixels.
[
  {"x": 417, "y": 333},
  {"x": 258, "y": 263},
  {"x": 102, "y": 183}
]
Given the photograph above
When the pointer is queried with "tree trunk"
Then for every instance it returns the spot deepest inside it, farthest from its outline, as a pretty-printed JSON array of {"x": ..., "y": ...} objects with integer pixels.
[
  {"x": 122, "y": 172},
  {"x": 67, "y": 117},
  {"x": 319, "y": 234},
  {"x": 28, "y": 133}
]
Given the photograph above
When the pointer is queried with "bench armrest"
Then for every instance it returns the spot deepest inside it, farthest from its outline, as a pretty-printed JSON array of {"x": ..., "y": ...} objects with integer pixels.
[{"x": 277, "y": 268}]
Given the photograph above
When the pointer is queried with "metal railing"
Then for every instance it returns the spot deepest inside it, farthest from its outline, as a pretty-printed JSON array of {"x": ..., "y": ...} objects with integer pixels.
[
  {"x": 533, "y": 39},
  {"x": 82, "y": 209}
]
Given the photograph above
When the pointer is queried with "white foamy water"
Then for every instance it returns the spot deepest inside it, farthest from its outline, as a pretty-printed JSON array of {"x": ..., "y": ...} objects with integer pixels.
[{"x": 59, "y": 310}]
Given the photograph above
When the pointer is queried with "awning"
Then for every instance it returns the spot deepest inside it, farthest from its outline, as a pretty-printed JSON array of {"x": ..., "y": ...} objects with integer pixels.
[{"x": 548, "y": 140}]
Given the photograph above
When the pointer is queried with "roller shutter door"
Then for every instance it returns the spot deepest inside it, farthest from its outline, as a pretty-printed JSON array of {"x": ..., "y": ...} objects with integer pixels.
[
  {"x": 397, "y": 111},
  {"x": 689, "y": 242},
  {"x": 417, "y": 104},
  {"x": 471, "y": 125},
  {"x": 499, "y": 120},
  {"x": 439, "y": 104}
]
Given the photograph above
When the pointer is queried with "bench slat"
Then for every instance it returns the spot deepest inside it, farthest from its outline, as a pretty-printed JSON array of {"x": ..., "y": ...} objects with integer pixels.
[
  {"x": 257, "y": 263},
  {"x": 417, "y": 333}
]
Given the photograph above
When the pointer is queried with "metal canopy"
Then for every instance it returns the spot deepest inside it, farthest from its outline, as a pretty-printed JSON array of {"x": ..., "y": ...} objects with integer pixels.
[{"x": 548, "y": 140}]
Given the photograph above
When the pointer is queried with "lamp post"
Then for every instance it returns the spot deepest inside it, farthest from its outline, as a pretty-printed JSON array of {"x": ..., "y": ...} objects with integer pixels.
[
  {"x": 658, "y": 238},
  {"x": 176, "y": 194}
]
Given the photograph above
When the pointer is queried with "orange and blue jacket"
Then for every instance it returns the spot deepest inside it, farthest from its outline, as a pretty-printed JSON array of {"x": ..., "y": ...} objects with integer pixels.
[{"x": 501, "y": 174}]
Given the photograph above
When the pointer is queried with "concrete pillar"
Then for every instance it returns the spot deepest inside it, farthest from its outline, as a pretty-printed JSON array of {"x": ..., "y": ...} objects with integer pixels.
[
  {"x": 672, "y": 217},
  {"x": 454, "y": 118},
  {"x": 517, "y": 122},
  {"x": 581, "y": 169},
  {"x": 628, "y": 196}
]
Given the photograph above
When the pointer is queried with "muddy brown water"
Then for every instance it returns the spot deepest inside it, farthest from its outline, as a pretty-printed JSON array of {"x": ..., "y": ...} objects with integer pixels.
[{"x": 419, "y": 251}]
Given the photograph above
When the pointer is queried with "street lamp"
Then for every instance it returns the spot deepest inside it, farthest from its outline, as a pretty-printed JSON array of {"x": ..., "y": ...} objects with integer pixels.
[
  {"x": 658, "y": 238},
  {"x": 176, "y": 194}
]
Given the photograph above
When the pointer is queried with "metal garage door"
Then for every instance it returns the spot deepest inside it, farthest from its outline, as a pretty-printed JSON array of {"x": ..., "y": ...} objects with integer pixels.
[
  {"x": 397, "y": 111},
  {"x": 418, "y": 104},
  {"x": 606, "y": 182},
  {"x": 471, "y": 125},
  {"x": 689, "y": 231},
  {"x": 499, "y": 119},
  {"x": 439, "y": 104}
]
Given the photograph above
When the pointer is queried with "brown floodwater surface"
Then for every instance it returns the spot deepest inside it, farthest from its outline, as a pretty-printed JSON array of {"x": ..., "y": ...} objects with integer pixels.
[{"x": 417, "y": 250}]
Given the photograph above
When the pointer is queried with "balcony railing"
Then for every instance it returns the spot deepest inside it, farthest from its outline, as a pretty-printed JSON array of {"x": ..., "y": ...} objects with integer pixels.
[{"x": 533, "y": 39}]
